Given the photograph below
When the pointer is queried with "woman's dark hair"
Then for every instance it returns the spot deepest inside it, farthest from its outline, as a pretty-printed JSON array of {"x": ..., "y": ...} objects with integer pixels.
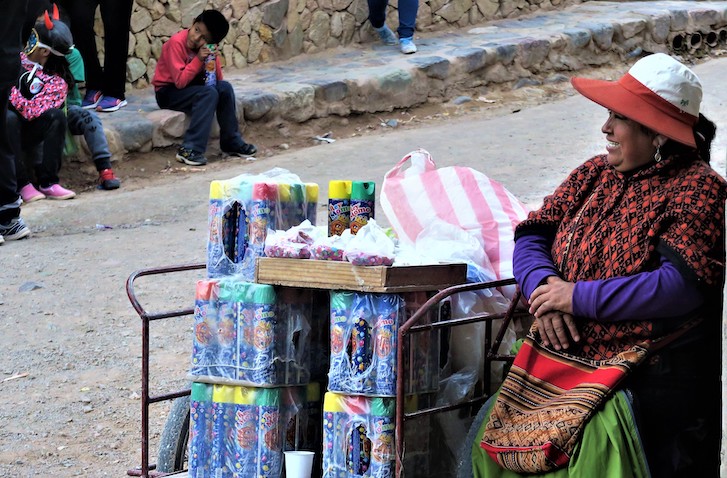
[
  {"x": 216, "y": 23},
  {"x": 704, "y": 133}
]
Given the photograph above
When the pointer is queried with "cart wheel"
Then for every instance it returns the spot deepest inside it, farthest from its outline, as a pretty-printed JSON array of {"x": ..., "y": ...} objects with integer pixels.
[
  {"x": 175, "y": 437},
  {"x": 464, "y": 460}
]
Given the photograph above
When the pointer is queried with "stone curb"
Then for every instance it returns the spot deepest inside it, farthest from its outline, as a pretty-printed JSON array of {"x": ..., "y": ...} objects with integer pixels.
[{"x": 374, "y": 78}]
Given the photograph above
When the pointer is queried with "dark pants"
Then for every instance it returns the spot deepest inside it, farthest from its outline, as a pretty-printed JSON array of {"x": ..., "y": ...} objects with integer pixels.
[
  {"x": 49, "y": 129},
  {"x": 9, "y": 198},
  {"x": 116, "y": 17},
  {"x": 407, "y": 15},
  {"x": 201, "y": 103}
]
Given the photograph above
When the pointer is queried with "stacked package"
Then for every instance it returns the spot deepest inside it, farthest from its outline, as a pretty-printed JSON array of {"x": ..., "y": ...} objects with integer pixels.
[
  {"x": 358, "y": 436},
  {"x": 358, "y": 413},
  {"x": 239, "y": 432},
  {"x": 245, "y": 335},
  {"x": 244, "y": 208},
  {"x": 364, "y": 338}
]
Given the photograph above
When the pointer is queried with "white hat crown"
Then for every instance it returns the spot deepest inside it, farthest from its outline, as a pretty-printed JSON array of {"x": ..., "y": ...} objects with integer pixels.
[{"x": 670, "y": 80}]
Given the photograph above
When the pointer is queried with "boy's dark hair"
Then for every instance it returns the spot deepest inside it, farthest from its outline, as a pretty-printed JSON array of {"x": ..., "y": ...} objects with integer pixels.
[{"x": 216, "y": 23}]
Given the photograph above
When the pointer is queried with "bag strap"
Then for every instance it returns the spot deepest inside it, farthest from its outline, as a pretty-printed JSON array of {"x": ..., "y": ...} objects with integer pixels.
[
  {"x": 662, "y": 342},
  {"x": 421, "y": 162}
]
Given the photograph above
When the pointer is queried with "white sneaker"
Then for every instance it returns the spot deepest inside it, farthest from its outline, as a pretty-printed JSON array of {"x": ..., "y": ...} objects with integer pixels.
[{"x": 407, "y": 45}]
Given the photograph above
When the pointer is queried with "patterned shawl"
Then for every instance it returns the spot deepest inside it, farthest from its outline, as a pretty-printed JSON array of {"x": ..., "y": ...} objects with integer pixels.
[{"x": 607, "y": 224}]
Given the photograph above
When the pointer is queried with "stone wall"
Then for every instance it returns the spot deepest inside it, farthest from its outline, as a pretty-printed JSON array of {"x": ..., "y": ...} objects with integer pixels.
[{"x": 266, "y": 30}]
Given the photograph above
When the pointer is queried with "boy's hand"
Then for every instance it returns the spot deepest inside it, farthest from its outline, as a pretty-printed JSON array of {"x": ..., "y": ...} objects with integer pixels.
[{"x": 204, "y": 52}]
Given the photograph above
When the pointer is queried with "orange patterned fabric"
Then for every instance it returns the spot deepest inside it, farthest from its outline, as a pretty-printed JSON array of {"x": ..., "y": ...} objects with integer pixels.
[
  {"x": 607, "y": 224},
  {"x": 677, "y": 203}
]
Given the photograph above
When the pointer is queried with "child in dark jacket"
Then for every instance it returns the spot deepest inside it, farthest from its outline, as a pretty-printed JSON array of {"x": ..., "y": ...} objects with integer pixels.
[
  {"x": 36, "y": 113},
  {"x": 179, "y": 83}
]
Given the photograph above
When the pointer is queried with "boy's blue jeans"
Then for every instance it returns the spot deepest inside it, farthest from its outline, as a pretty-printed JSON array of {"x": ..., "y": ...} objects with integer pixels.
[
  {"x": 201, "y": 103},
  {"x": 407, "y": 15}
]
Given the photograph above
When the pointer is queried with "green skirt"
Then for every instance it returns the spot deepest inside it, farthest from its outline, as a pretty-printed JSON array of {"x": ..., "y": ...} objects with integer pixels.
[{"x": 609, "y": 448}]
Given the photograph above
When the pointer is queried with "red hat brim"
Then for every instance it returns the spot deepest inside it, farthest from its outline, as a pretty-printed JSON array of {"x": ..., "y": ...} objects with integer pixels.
[{"x": 630, "y": 98}]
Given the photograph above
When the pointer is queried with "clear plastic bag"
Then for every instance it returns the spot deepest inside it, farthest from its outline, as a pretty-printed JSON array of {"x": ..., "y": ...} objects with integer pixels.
[{"x": 371, "y": 246}]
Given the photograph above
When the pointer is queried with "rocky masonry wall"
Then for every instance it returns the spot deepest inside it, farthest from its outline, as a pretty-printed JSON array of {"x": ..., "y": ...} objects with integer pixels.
[{"x": 265, "y": 30}]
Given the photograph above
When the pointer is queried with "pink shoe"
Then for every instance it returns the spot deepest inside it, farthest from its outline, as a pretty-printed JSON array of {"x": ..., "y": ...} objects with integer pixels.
[
  {"x": 30, "y": 194},
  {"x": 56, "y": 191}
]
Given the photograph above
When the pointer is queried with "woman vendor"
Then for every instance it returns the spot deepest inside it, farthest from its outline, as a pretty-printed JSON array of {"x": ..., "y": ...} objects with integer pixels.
[{"x": 623, "y": 267}]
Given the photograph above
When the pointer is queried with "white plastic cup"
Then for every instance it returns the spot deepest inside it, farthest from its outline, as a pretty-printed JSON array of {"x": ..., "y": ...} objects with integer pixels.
[{"x": 298, "y": 464}]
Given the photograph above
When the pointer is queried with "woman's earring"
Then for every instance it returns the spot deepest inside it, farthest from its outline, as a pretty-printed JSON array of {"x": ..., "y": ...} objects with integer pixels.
[{"x": 657, "y": 155}]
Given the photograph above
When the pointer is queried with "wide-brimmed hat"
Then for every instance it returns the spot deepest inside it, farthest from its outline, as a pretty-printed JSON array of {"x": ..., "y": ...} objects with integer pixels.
[{"x": 657, "y": 92}]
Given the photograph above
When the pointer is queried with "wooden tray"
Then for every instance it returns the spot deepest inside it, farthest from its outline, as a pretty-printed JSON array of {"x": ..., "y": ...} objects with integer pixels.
[{"x": 334, "y": 275}]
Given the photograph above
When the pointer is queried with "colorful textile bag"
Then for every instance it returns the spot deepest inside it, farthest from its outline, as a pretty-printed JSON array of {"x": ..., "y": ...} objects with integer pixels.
[
  {"x": 415, "y": 197},
  {"x": 548, "y": 396}
]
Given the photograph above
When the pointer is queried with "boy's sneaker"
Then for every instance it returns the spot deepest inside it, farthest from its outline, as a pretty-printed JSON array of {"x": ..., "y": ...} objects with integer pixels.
[
  {"x": 386, "y": 35},
  {"x": 407, "y": 45},
  {"x": 1, "y": 239},
  {"x": 109, "y": 104},
  {"x": 30, "y": 194},
  {"x": 91, "y": 99},
  {"x": 56, "y": 191},
  {"x": 193, "y": 158},
  {"x": 107, "y": 180},
  {"x": 245, "y": 151},
  {"x": 14, "y": 230}
]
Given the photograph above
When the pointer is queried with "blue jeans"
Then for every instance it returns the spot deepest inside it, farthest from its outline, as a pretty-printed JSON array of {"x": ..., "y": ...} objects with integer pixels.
[
  {"x": 201, "y": 103},
  {"x": 407, "y": 15},
  {"x": 86, "y": 123}
]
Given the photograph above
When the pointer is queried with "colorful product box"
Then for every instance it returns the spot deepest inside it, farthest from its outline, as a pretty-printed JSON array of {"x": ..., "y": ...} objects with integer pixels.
[
  {"x": 244, "y": 335},
  {"x": 244, "y": 208},
  {"x": 358, "y": 436},
  {"x": 240, "y": 432},
  {"x": 364, "y": 328}
]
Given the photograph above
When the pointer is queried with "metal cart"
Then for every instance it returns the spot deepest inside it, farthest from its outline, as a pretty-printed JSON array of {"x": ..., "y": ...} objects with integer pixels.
[{"x": 172, "y": 458}]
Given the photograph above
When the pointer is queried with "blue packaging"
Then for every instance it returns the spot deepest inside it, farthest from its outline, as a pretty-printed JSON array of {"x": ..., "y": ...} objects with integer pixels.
[
  {"x": 363, "y": 343},
  {"x": 358, "y": 436},
  {"x": 205, "y": 347},
  {"x": 201, "y": 426}
]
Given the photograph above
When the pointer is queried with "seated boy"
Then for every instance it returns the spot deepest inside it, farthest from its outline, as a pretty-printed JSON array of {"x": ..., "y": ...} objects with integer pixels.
[{"x": 179, "y": 85}]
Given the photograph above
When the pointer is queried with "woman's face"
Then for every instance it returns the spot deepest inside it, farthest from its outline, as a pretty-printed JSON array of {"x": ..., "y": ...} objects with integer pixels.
[
  {"x": 629, "y": 145},
  {"x": 198, "y": 35}
]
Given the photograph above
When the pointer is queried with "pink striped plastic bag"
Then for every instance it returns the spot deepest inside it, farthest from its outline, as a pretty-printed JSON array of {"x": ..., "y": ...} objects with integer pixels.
[{"x": 415, "y": 197}]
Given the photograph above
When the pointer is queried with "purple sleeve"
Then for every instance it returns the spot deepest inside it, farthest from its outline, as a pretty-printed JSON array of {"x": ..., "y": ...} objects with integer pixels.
[
  {"x": 661, "y": 293},
  {"x": 532, "y": 262}
]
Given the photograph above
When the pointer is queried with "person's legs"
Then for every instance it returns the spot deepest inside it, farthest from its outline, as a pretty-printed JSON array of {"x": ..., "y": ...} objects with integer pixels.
[
  {"x": 377, "y": 12},
  {"x": 116, "y": 17},
  {"x": 230, "y": 137},
  {"x": 9, "y": 197},
  {"x": 81, "y": 14},
  {"x": 50, "y": 128},
  {"x": 86, "y": 123},
  {"x": 15, "y": 134},
  {"x": 200, "y": 102},
  {"x": 407, "y": 18}
]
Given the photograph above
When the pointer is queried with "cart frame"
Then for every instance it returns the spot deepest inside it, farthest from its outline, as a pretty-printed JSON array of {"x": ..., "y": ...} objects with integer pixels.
[{"x": 411, "y": 326}]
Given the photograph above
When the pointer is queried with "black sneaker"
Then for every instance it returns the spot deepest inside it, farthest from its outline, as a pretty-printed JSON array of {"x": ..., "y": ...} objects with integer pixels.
[
  {"x": 193, "y": 158},
  {"x": 14, "y": 230},
  {"x": 246, "y": 150}
]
